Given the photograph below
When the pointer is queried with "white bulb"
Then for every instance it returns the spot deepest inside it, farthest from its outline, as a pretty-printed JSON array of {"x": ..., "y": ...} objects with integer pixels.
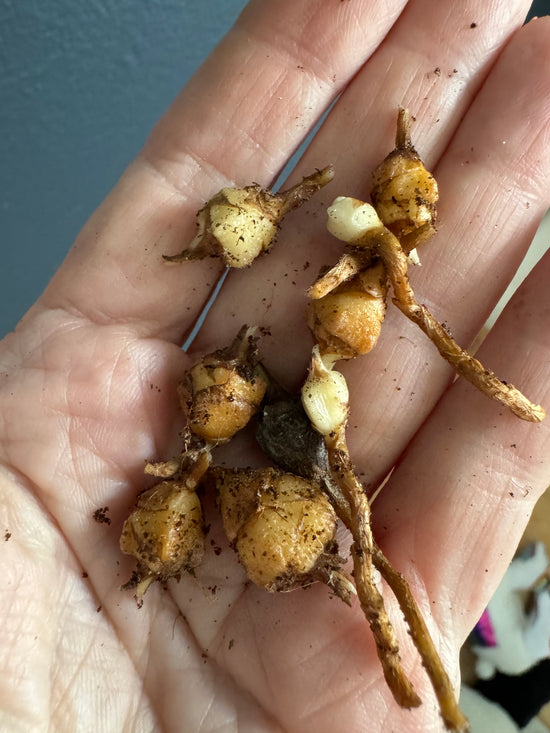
[
  {"x": 325, "y": 396},
  {"x": 349, "y": 219}
]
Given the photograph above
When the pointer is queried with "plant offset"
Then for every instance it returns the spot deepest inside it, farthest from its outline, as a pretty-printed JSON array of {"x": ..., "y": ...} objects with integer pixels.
[{"x": 282, "y": 520}]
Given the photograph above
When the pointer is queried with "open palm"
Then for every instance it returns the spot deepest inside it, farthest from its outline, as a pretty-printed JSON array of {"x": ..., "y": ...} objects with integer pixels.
[{"x": 87, "y": 381}]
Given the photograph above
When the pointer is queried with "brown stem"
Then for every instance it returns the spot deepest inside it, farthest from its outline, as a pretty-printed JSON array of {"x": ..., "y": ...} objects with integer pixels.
[
  {"x": 349, "y": 265},
  {"x": 403, "y": 133},
  {"x": 337, "y": 581},
  {"x": 465, "y": 364},
  {"x": 417, "y": 237},
  {"x": 366, "y": 555},
  {"x": 189, "y": 466},
  {"x": 337, "y": 499},
  {"x": 303, "y": 191},
  {"x": 195, "y": 467},
  {"x": 451, "y": 713},
  {"x": 163, "y": 469},
  {"x": 370, "y": 597}
]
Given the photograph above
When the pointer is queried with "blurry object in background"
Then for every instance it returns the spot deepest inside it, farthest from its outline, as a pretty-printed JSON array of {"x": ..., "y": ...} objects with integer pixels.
[
  {"x": 488, "y": 717},
  {"x": 539, "y": 8},
  {"x": 511, "y": 646},
  {"x": 513, "y": 633},
  {"x": 522, "y": 696}
]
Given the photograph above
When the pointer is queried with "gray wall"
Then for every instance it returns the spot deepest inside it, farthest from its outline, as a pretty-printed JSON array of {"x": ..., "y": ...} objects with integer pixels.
[{"x": 81, "y": 84}]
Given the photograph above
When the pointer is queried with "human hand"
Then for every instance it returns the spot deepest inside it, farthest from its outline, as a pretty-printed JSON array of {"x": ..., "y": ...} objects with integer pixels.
[{"x": 87, "y": 382}]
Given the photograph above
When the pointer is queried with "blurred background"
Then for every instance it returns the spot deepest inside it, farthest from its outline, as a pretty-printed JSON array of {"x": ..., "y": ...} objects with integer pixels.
[{"x": 82, "y": 82}]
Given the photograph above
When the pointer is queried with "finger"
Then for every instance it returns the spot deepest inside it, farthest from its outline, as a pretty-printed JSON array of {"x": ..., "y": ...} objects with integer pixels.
[
  {"x": 51, "y": 617},
  {"x": 460, "y": 499},
  {"x": 395, "y": 387},
  {"x": 490, "y": 208},
  {"x": 241, "y": 117},
  {"x": 433, "y": 62},
  {"x": 360, "y": 130},
  {"x": 357, "y": 134}
]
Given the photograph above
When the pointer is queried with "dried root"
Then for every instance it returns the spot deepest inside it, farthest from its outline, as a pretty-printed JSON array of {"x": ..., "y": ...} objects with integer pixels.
[
  {"x": 372, "y": 602},
  {"x": 450, "y": 712},
  {"x": 324, "y": 397},
  {"x": 326, "y": 401},
  {"x": 466, "y": 365}
]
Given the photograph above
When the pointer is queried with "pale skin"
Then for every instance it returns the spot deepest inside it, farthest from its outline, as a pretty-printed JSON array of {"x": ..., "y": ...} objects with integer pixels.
[{"x": 87, "y": 381}]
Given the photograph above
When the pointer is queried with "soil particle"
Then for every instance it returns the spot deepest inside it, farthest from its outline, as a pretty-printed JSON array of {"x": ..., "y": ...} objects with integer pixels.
[{"x": 101, "y": 515}]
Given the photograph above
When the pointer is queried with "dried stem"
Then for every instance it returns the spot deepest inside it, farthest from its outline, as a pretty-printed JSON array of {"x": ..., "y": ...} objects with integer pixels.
[
  {"x": 303, "y": 191},
  {"x": 337, "y": 581},
  {"x": 349, "y": 265},
  {"x": 395, "y": 261},
  {"x": 370, "y": 597},
  {"x": 451, "y": 713},
  {"x": 403, "y": 133},
  {"x": 163, "y": 469},
  {"x": 366, "y": 556},
  {"x": 189, "y": 466}
]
